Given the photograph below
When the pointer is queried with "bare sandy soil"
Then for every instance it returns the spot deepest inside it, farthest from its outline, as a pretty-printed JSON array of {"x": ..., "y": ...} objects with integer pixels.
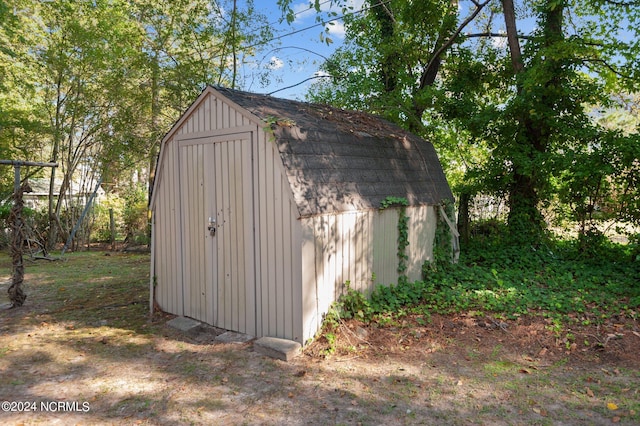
[
  {"x": 453, "y": 371},
  {"x": 99, "y": 359}
]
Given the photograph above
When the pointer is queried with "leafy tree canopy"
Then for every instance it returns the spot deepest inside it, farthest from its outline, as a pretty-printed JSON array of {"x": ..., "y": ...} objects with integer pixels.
[{"x": 510, "y": 93}]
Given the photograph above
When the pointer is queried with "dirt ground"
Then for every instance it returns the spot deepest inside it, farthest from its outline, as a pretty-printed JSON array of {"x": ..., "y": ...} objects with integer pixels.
[{"x": 102, "y": 360}]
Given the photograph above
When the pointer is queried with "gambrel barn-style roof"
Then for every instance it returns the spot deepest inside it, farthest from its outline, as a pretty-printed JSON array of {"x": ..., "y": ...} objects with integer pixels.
[
  {"x": 339, "y": 160},
  {"x": 263, "y": 208}
]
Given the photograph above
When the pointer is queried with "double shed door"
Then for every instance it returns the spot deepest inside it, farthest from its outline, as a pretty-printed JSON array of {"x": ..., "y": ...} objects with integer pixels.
[{"x": 216, "y": 196}]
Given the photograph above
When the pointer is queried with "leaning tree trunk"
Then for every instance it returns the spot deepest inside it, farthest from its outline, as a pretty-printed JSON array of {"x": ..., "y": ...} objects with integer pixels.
[
  {"x": 16, "y": 294},
  {"x": 464, "y": 222}
]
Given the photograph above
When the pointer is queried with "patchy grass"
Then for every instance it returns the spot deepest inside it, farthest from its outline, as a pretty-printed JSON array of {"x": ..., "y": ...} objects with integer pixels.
[
  {"x": 91, "y": 288},
  {"x": 85, "y": 335}
]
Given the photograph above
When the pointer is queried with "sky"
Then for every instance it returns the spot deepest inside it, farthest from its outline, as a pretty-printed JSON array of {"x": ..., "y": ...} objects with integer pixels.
[{"x": 298, "y": 51}]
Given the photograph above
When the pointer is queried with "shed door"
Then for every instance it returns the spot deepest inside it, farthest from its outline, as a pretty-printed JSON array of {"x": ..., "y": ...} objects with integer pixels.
[{"x": 216, "y": 193}]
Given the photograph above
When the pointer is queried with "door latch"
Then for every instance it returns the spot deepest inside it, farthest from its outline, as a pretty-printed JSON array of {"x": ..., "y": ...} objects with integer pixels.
[{"x": 212, "y": 226}]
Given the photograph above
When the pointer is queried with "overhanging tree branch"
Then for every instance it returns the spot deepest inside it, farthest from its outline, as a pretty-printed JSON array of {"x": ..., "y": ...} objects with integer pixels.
[
  {"x": 435, "y": 58},
  {"x": 490, "y": 34}
]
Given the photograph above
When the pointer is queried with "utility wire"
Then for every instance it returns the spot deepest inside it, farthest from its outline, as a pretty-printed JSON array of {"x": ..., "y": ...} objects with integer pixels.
[
  {"x": 299, "y": 83},
  {"x": 364, "y": 9},
  {"x": 324, "y": 22}
]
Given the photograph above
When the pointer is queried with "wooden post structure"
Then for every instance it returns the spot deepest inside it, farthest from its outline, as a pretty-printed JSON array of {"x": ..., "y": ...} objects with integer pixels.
[
  {"x": 16, "y": 294},
  {"x": 112, "y": 230}
]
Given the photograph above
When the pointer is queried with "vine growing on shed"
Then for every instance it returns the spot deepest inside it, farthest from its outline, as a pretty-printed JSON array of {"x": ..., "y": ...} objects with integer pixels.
[
  {"x": 271, "y": 121},
  {"x": 403, "y": 232}
]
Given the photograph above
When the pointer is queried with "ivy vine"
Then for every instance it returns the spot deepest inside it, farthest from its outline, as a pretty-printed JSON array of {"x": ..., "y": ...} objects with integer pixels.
[
  {"x": 271, "y": 121},
  {"x": 403, "y": 232}
]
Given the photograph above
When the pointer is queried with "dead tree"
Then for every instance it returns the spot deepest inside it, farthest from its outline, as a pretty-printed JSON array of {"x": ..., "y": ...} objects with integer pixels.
[{"x": 16, "y": 223}]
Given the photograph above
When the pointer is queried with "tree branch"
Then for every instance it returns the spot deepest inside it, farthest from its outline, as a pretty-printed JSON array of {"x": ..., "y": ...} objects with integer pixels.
[
  {"x": 607, "y": 66},
  {"x": 490, "y": 34},
  {"x": 512, "y": 38},
  {"x": 623, "y": 3},
  {"x": 436, "y": 55}
]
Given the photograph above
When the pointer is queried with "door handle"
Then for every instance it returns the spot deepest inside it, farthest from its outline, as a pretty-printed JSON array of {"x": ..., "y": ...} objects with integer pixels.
[{"x": 212, "y": 227}]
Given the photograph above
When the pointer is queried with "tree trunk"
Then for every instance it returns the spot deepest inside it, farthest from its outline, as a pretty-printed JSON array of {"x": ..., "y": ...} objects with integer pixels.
[
  {"x": 390, "y": 62},
  {"x": 512, "y": 37},
  {"x": 55, "y": 152},
  {"x": 463, "y": 216},
  {"x": 524, "y": 214},
  {"x": 16, "y": 294},
  {"x": 155, "y": 119}
]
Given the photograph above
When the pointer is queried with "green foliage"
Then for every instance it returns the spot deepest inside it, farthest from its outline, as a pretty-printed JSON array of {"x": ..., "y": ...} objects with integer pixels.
[
  {"x": 403, "y": 230},
  {"x": 391, "y": 201},
  {"x": 330, "y": 325},
  {"x": 557, "y": 281},
  {"x": 103, "y": 221},
  {"x": 353, "y": 304},
  {"x": 442, "y": 246},
  {"x": 93, "y": 85},
  {"x": 392, "y": 298},
  {"x": 135, "y": 214},
  {"x": 506, "y": 121}
]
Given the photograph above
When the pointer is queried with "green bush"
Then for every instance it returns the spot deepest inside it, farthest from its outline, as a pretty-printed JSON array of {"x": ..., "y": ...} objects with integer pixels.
[
  {"x": 135, "y": 215},
  {"x": 556, "y": 280}
]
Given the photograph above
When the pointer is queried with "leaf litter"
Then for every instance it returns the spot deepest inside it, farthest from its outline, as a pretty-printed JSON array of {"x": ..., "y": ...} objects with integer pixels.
[{"x": 95, "y": 343}]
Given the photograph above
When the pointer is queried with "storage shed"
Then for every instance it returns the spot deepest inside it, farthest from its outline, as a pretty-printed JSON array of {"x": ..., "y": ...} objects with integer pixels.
[{"x": 262, "y": 208}]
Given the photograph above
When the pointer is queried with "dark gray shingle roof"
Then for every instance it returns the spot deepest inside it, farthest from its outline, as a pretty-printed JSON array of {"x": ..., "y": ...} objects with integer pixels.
[{"x": 339, "y": 160}]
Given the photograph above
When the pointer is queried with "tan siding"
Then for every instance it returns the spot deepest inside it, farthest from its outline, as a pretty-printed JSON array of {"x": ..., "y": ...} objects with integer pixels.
[
  {"x": 260, "y": 196},
  {"x": 274, "y": 274},
  {"x": 192, "y": 194},
  {"x": 176, "y": 226},
  {"x": 232, "y": 225},
  {"x": 258, "y": 264},
  {"x": 218, "y": 279},
  {"x": 219, "y": 271},
  {"x": 385, "y": 237},
  {"x": 168, "y": 272},
  {"x": 245, "y": 193},
  {"x": 296, "y": 274},
  {"x": 270, "y": 256},
  {"x": 206, "y": 112},
  {"x": 310, "y": 314},
  {"x": 354, "y": 246},
  {"x": 422, "y": 228},
  {"x": 278, "y": 249},
  {"x": 278, "y": 304},
  {"x": 211, "y": 242},
  {"x": 224, "y": 255}
]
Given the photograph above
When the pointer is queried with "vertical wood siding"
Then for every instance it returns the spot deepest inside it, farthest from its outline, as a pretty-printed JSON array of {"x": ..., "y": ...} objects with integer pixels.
[
  {"x": 167, "y": 241},
  {"x": 255, "y": 287},
  {"x": 278, "y": 258},
  {"x": 233, "y": 281},
  {"x": 167, "y": 245},
  {"x": 359, "y": 247},
  {"x": 275, "y": 274},
  {"x": 422, "y": 231},
  {"x": 216, "y": 182}
]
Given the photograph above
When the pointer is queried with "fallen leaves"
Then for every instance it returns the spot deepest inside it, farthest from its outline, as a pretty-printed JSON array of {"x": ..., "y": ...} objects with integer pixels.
[{"x": 540, "y": 411}]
